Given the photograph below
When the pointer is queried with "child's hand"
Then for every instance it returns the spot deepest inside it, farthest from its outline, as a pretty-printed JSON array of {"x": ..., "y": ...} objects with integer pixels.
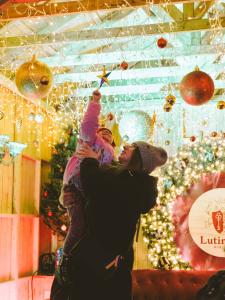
[
  {"x": 86, "y": 151},
  {"x": 96, "y": 96}
]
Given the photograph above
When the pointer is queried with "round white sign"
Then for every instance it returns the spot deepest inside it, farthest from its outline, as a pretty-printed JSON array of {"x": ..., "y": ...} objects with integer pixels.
[{"x": 207, "y": 222}]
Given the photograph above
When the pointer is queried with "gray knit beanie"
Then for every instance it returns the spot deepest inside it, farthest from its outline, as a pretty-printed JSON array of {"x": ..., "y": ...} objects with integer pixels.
[{"x": 152, "y": 157}]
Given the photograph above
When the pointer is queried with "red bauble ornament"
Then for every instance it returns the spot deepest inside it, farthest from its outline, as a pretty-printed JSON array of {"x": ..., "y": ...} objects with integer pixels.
[
  {"x": 192, "y": 138},
  {"x": 124, "y": 65},
  {"x": 50, "y": 214},
  {"x": 110, "y": 116},
  {"x": 214, "y": 134},
  {"x": 70, "y": 131},
  {"x": 162, "y": 42},
  {"x": 197, "y": 88},
  {"x": 45, "y": 194}
]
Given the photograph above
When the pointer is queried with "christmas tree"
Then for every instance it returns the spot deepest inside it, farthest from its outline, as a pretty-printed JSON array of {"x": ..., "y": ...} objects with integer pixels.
[
  {"x": 187, "y": 167},
  {"x": 55, "y": 216}
]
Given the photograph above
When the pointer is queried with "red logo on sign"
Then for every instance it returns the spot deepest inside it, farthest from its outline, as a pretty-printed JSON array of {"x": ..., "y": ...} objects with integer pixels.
[{"x": 217, "y": 218}]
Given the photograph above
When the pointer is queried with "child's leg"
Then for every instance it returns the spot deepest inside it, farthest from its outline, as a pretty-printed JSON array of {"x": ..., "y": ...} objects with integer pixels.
[
  {"x": 77, "y": 224},
  {"x": 74, "y": 202}
]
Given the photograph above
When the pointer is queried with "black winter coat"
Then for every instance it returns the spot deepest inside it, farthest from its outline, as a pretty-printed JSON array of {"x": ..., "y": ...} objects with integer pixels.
[{"x": 116, "y": 198}]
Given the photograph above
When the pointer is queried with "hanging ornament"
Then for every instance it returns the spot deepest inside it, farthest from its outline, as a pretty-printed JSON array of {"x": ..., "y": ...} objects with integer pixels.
[
  {"x": 193, "y": 138},
  {"x": 124, "y": 65},
  {"x": 45, "y": 194},
  {"x": 50, "y": 214},
  {"x": 167, "y": 143},
  {"x": 204, "y": 123},
  {"x": 110, "y": 116},
  {"x": 220, "y": 105},
  {"x": 213, "y": 134},
  {"x": 55, "y": 151},
  {"x": 1, "y": 115},
  {"x": 104, "y": 77},
  {"x": 63, "y": 227},
  {"x": 44, "y": 80},
  {"x": 162, "y": 42},
  {"x": 223, "y": 134},
  {"x": 39, "y": 118},
  {"x": 197, "y": 87},
  {"x": 31, "y": 116},
  {"x": 36, "y": 143},
  {"x": 171, "y": 99},
  {"x": 70, "y": 131},
  {"x": 167, "y": 107},
  {"x": 34, "y": 79}
]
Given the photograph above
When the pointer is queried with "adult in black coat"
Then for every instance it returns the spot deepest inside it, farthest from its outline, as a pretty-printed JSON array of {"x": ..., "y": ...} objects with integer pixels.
[{"x": 117, "y": 195}]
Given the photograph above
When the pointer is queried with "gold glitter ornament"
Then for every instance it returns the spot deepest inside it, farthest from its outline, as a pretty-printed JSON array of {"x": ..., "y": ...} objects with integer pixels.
[
  {"x": 34, "y": 79},
  {"x": 171, "y": 99},
  {"x": 220, "y": 105},
  {"x": 167, "y": 107}
]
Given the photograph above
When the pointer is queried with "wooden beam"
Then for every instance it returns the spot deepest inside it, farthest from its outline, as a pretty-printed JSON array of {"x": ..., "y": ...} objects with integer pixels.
[
  {"x": 129, "y": 56},
  {"x": 133, "y": 89},
  {"x": 96, "y": 60},
  {"x": 139, "y": 73},
  {"x": 188, "y": 10},
  {"x": 173, "y": 12},
  {"x": 113, "y": 33},
  {"x": 61, "y": 8},
  {"x": 202, "y": 8}
]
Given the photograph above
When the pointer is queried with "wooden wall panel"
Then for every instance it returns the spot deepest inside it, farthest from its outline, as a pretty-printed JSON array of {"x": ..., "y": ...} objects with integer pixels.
[
  {"x": 45, "y": 170},
  {"x": 42, "y": 287},
  {"x": 23, "y": 288},
  {"x": 45, "y": 238},
  {"x": 17, "y": 124},
  {"x": 27, "y": 186},
  {"x": 30, "y": 186},
  {"x": 7, "y": 123},
  {"x": 27, "y": 246},
  {"x": 8, "y": 291},
  {"x": 27, "y": 288},
  {"x": 6, "y": 246},
  {"x": 6, "y": 189}
]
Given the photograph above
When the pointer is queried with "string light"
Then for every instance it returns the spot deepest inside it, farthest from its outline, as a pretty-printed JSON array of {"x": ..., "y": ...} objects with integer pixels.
[{"x": 182, "y": 170}]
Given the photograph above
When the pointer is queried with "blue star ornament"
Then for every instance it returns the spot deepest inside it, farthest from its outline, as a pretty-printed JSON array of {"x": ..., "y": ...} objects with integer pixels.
[{"x": 104, "y": 77}]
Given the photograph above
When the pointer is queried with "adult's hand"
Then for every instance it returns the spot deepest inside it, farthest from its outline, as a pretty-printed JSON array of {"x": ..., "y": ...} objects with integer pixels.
[{"x": 85, "y": 151}]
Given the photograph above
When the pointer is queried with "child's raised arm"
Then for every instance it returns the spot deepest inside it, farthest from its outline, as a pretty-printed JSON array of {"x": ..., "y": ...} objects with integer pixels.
[{"x": 89, "y": 125}]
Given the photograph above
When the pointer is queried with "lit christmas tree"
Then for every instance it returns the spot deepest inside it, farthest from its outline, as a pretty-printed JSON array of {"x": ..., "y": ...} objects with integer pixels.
[
  {"x": 187, "y": 167},
  {"x": 55, "y": 216}
]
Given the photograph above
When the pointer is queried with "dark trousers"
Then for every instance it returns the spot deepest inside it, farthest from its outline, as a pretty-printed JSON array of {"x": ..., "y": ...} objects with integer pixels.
[
  {"x": 74, "y": 202},
  {"x": 85, "y": 285}
]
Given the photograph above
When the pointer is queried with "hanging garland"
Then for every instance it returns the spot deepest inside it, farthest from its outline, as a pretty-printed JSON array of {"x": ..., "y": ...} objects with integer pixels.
[{"x": 192, "y": 162}]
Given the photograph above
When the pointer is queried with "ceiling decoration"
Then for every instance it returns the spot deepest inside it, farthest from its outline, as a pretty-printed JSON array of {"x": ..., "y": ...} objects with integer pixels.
[{"x": 77, "y": 38}]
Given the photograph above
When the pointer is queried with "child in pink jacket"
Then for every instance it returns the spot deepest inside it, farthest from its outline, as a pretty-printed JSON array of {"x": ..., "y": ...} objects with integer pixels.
[{"x": 71, "y": 195}]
